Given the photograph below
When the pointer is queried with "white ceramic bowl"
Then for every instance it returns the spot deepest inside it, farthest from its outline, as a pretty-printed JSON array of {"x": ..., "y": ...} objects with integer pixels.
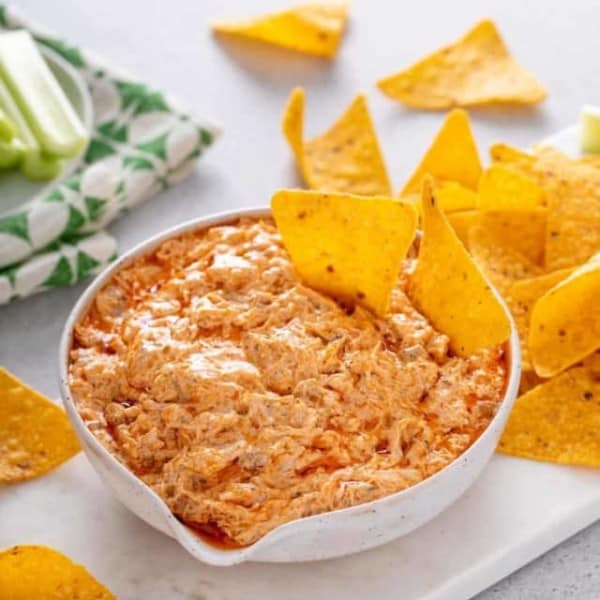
[{"x": 318, "y": 537}]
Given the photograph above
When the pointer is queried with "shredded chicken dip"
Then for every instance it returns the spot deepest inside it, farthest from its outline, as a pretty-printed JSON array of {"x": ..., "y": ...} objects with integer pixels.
[{"x": 247, "y": 400}]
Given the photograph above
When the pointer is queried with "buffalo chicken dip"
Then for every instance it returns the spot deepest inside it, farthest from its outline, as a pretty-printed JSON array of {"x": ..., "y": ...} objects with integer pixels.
[{"x": 246, "y": 399}]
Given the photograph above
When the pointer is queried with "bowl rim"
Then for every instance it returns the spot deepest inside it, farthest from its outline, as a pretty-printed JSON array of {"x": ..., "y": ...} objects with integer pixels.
[{"x": 194, "y": 544}]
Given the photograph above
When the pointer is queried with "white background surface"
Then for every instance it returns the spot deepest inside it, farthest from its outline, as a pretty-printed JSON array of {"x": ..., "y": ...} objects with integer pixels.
[{"x": 169, "y": 45}]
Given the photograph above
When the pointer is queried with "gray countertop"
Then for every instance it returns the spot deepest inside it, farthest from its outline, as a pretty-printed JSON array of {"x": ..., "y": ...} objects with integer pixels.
[{"x": 169, "y": 45}]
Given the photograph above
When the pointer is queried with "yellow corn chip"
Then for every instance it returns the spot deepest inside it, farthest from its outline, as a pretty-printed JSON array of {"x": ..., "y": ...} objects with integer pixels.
[
  {"x": 557, "y": 421},
  {"x": 462, "y": 222},
  {"x": 449, "y": 289},
  {"x": 452, "y": 196},
  {"x": 592, "y": 160},
  {"x": 504, "y": 188},
  {"x": 572, "y": 196},
  {"x": 41, "y": 573},
  {"x": 522, "y": 297},
  {"x": 344, "y": 159},
  {"x": 521, "y": 231},
  {"x": 348, "y": 246},
  {"x": 475, "y": 70},
  {"x": 452, "y": 155},
  {"x": 565, "y": 321},
  {"x": 35, "y": 434},
  {"x": 309, "y": 28},
  {"x": 513, "y": 157},
  {"x": 501, "y": 265},
  {"x": 529, "y": 379}
]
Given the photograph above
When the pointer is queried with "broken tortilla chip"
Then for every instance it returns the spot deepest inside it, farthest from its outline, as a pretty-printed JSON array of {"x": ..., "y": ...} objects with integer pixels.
[
  {"x": 41, "y": 573},
  {"x": 521, "y": 231},
  {"x": 476, "y": 70},
  {"x": 565, "y": 321},
  {"x": 35, "y": 434},
  {"x": 462, "y": 222},
  {"x": 346, "y": 159},
  {"x": 350, "y": 247},
  {"x": 314, "y": 28},
  {"x": 557, "y": 421},
  {"x": 452, "y": 155},
  {"x": 521, "y": 298},
  {"x": 448, "y": 288},
  {"x": 501, "y": 265},
  {"x": 504, "y": 188}
]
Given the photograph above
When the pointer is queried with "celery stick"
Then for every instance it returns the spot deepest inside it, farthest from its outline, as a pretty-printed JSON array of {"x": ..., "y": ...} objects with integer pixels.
[
  {"x": 41, "y": 168},
  {"x": 11, "y": 153},
  {"x": 34, "y": 164},
  {"x": 7, "y": 129},
  {"x": 589, "y": 120},
  {"x": 39, "y": 96}
]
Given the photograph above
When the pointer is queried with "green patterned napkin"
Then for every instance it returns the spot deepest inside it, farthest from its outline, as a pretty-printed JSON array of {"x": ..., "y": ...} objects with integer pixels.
[{"x": 141, "y": 143}]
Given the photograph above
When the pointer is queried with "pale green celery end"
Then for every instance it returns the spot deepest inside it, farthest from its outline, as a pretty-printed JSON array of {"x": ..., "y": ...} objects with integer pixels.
[
  {"x": 11, "y": 153},
  {"x": 41, "y": 168},
  {"x": 48, "y": 111},
  {"x": 7, "y": 128}
]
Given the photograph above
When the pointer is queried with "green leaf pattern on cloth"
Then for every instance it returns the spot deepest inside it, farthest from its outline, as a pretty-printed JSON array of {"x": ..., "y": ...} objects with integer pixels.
[
  {"x": 63, "y": 263},
  {"x": 142, "y": 142}
]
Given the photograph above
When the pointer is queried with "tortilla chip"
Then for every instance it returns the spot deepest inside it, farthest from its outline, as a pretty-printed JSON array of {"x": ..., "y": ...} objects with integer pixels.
[
  {"x": 309, "y": 28},
  {"x": 453, "y": 196},
  {"x": 529, "y": 379},
  {"x": 41, "y": 573},
  {"x": 347, "y": 246},
  {"x": 572, "y": 196},
  {"x": 521, "y": 231},
  {"x": 504, "y": 188},
  {"x": 591, "y": 160},
  {"x": 592, "y": 363},
  {"x": 462, "y": 222},
  {"x": 522, "y": 297},
  {"x": 501, "y": 265},
  {"x": 475, "y": 70},
  {"x": 513, "y": 157},
  {"x": 447, "y": 287},
  {"x": 346, "y": 159},
  {"x": 452, "y": 155},
  {"x": 35, "y": 434},
  {"x": 557, "y": 421},
  {"x": 565, "y": 321}
]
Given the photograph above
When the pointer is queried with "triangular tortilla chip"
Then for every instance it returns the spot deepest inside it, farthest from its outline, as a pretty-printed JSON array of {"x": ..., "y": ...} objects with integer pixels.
[
  {"x": 452, "y": 196},
  {"x": 557, "y": 421},
  {"x": 521, "y": 299},
  {"x": 512, "y": 157},
  {"x": 346, "y": 159},
  {"x": 309, "y": 28},
  {"x": 448, "y": 288},
  {"x": 519, "y": 230},
  {"x": 347, "y": 246},
  {"x": 502, "y": 266},
  {"x": 504, "y": 188},
  {"x": 452, "y": 155},
  {"x": 475, "y": 70},
  {"x": 41, "y": 573},
  {"x": 565, "y": 321},
  {"x": 462, "y": 222},
  {"x": 35, "y": 434},
  {"x": 572, "y": 196}
]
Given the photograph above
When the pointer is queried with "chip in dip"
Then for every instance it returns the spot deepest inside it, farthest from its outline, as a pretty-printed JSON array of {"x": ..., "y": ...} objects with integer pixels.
[{"x": 246, "y": 399}]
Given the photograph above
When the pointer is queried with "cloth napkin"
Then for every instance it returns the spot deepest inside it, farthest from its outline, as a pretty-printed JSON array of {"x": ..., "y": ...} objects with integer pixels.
[{"x": 142, "y": 142}]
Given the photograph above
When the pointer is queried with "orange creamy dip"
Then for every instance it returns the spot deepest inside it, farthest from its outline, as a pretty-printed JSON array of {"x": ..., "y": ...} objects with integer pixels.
[{"x": 247, "y": 400}]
